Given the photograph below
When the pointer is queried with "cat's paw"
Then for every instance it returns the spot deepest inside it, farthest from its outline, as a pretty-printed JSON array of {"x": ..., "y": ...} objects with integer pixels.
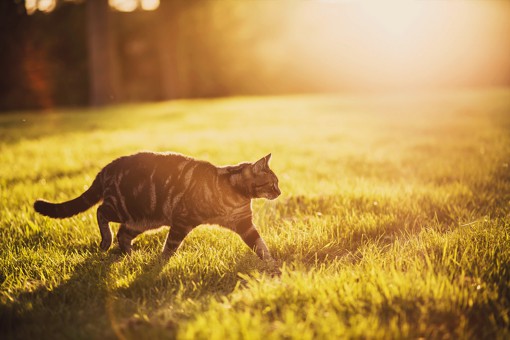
[
  {"x": 273, "y": 267},
  {"x": 166, "y": 255},
  {"x": 126, "y": 251},
  {"x": 105, "y": 244},
  {"x": 125, "y": 247}
]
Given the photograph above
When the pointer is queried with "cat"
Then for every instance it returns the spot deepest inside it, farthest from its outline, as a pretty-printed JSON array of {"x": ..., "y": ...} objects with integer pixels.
[{"x": 148, "y": 190}]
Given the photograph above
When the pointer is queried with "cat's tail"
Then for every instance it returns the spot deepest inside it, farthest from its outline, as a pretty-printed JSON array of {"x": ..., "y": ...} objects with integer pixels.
[{"x": 74, "y": 206}]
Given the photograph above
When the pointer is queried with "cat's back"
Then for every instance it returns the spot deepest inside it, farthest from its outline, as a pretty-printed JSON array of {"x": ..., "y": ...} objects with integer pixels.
[
  {"x": 147, "y": 161},
  {"x": 157, "y": 167}
]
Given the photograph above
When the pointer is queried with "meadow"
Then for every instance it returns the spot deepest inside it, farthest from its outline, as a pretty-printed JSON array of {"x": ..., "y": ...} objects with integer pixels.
[{"x": 394, "y": 221}]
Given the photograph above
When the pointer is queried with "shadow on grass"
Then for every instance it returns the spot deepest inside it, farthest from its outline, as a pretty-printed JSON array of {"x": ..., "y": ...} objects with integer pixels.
[
  {"x": 165, "y": 294},
  {"x": 86, "y": 306},
  {"x": 74, "y": 309},
  {"x": 164, "y": 281}
]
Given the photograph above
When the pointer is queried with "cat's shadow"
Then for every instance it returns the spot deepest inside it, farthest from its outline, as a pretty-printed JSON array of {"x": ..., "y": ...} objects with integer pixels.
[
  {"x": 84, "y": 301},
  {"x": 78, "y": 301},
  {"x": 159, "y": 278}
]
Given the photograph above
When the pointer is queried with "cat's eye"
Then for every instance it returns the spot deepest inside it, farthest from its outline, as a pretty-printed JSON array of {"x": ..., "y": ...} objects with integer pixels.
[{"x": 262, "y": 185}]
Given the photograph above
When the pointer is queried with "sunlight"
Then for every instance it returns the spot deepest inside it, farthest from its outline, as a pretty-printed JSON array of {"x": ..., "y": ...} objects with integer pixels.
[
  {"x": 396, "y": 21},
  {"x": 149, "y": 5},
  {"x": 131, "y": 5},
  {"x": 46, "y": 5},
  {"x": 31, "y": 6},
  {"x": 42, "y": 5},
  {"x": 400, "y": 33},
  {"x": 123, "y": 5},
  {"x": 400, "y": 43}
]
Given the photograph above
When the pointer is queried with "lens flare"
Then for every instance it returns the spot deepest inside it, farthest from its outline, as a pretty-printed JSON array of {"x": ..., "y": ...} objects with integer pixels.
[
  {"x": 46, "y": 5},
  {"x": 123, "y": 5},
  {"x": 149, "y": 5}
]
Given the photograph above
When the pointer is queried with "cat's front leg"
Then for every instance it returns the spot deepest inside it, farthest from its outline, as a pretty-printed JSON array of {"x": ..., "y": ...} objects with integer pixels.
[{"x": 252, "y": 238}]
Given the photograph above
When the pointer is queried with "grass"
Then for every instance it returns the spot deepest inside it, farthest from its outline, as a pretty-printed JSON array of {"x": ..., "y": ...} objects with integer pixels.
[{"x": 393, "y": 223}]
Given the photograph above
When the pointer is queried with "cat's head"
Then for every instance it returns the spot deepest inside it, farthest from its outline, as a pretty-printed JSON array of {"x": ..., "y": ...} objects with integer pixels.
[{"x": 261, "y": 180}]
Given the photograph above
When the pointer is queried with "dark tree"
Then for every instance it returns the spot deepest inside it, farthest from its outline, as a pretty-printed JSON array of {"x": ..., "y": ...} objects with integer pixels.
[
  {"x": 103, "y": 65},
  {"x": 13, "y": 19}
]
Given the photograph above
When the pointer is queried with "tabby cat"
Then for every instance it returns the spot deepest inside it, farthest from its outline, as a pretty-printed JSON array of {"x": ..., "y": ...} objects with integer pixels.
[{"x": 148, "y": 190}]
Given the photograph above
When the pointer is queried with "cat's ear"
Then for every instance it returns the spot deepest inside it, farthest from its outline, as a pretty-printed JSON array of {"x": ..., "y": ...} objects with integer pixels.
[
  {"x": 246, "y": 171},
  {"x": 262, "y": 163}
]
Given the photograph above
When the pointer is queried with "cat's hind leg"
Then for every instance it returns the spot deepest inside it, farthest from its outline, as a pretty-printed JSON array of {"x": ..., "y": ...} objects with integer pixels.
[
  {"x": 125, "y": 237},
  {"x": 174, "y": 239},
  {"x": 104, "y": 216}
]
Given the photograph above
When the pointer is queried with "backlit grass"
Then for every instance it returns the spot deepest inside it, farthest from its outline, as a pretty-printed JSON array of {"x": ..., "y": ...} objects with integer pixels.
[{"x": 393, "y": 223}]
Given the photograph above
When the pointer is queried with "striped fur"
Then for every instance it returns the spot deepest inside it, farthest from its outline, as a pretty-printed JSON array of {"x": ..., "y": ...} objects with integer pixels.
[{"x": 149, "y": 190}]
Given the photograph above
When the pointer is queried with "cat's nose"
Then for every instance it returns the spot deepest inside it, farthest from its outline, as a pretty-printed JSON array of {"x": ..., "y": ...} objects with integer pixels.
[{"x": 277, "y": 190}]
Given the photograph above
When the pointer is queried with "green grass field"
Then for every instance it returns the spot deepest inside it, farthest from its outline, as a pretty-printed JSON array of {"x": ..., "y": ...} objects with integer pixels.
[{"x": 394, "y": 222}]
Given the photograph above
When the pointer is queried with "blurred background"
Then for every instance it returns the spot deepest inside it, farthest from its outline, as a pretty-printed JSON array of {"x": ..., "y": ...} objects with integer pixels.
[{"x": 64, "y": 53}]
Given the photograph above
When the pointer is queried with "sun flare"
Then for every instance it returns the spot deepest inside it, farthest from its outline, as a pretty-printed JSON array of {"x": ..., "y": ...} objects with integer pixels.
[{"x": 398, "y": 42}]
